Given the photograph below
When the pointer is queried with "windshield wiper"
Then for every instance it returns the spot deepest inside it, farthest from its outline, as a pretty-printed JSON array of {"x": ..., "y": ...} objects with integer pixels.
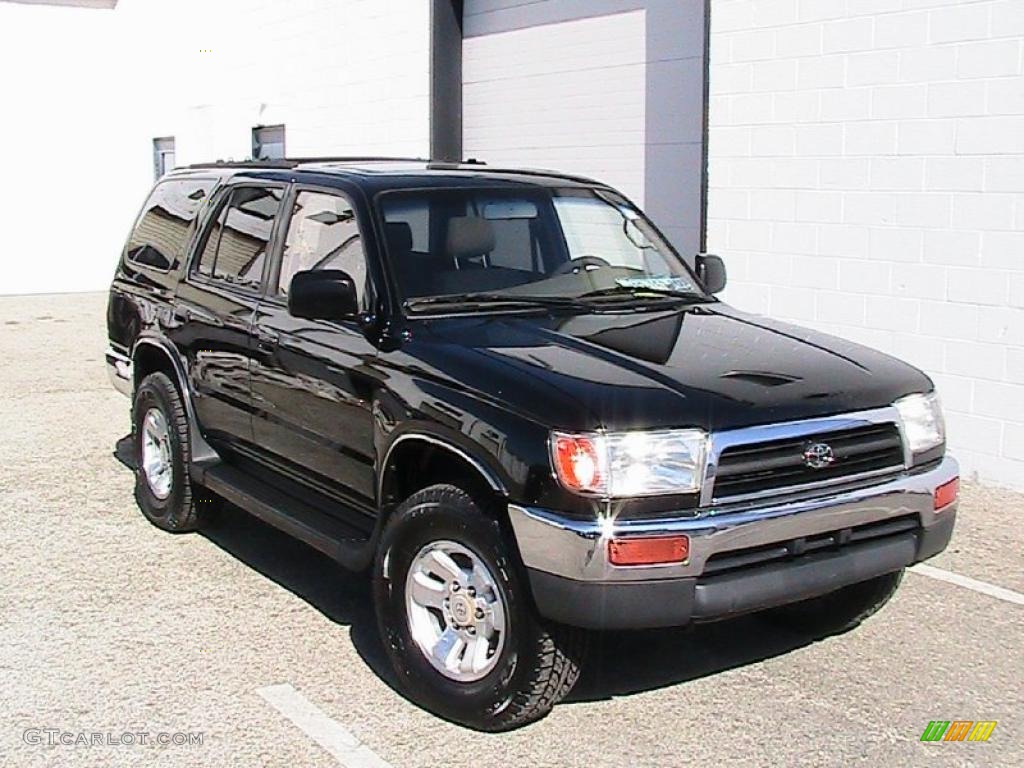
[
  {"x": 483, "y": 298},
  {"x": 619, "y": 295},
  {"x": 632, "y": 292}
]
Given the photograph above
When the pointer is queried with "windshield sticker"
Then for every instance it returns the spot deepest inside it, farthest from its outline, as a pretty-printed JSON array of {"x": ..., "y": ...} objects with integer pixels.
[{"x": 666, "y": 283}]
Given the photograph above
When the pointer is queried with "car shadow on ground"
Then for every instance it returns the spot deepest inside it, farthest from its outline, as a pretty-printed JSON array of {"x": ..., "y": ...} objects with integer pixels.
[
  {"x": 618, "y": 663},
  {"x": 340, "y": 595},
  {"x": 625, "y": 663}
]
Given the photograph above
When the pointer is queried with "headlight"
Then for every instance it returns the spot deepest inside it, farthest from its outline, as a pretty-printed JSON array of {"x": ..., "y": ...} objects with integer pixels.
[
  {"x": 617, "y": 464},
  {"x": 923, "y": 425}
]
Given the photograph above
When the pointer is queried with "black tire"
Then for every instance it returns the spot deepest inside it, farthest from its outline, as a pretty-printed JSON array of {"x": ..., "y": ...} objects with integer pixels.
[
  {"x": 840, "y": 611},
  {"x": 538, "y": 664},
  {"x": 185, "y": 505}
]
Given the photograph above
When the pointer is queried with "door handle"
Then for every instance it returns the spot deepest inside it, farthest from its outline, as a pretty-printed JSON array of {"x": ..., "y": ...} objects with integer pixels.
[{"x": 182, "y": 314}]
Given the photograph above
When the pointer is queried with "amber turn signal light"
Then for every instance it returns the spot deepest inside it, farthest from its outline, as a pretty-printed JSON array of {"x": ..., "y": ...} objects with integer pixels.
[
  {"x": 652, "y": 550},
  {"x": 946, "y": 493},
  {"x": 578, "y": 463}
]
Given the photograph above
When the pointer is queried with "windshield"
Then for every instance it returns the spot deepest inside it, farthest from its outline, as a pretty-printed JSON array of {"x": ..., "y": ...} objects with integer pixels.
[{"x": 452, "y": 245}]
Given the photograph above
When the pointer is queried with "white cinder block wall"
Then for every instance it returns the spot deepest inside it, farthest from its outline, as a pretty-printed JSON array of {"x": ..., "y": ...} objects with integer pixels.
[
  {"x": 86, "y": 92},
  {"x": 867, "y": 179}
]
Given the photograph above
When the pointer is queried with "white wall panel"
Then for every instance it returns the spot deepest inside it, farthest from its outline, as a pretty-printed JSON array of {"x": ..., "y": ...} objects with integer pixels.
[
  {"x": 568, "y": 96},
  {"x": 93, "y": 88}
]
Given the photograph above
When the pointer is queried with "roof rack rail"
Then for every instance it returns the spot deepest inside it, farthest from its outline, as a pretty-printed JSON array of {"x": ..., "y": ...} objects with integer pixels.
[
  {"x": 243, "y": 164},
  {"x": 361, "y": 159},
  {"x": 544, "y": 172},
  {"x": 292, "y": 162}
]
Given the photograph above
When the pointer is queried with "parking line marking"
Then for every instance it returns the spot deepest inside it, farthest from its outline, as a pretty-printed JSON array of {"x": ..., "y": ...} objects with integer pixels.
[
  {"x": 1000, "y": 593},
  {"x": 325, "y": 731}
]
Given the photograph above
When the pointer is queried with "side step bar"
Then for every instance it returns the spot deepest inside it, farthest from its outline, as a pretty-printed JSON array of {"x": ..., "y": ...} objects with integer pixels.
[{"x": 351, "y": 547}]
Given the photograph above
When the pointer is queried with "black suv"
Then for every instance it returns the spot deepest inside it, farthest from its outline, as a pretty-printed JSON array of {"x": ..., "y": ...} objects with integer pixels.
[{"x": 505, "y": 393}]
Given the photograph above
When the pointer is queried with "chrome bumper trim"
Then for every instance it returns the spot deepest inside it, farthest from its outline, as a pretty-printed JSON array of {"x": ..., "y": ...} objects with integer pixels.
[
  {"x": 577, "y": 549},
  {"x": 119, "y": 370}
]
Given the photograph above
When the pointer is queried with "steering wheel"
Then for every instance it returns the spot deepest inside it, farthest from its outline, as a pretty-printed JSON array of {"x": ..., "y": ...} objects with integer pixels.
[{"x": 581, "y": 262}]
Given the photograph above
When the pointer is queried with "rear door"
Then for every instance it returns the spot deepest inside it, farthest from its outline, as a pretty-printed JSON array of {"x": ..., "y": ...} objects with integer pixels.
[
  {"x": 312, "y": 380},
  {"x": 216, "y": 303}
]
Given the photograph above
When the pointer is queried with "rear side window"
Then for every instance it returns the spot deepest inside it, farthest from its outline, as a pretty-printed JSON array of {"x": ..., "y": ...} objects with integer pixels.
[
  {"x": 236, "y": 243},
  {"x": 165, "y": 225}
]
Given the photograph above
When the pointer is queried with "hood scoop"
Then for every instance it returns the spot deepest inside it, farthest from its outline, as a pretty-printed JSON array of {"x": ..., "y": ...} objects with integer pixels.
[{"x": 762, "y": 378}]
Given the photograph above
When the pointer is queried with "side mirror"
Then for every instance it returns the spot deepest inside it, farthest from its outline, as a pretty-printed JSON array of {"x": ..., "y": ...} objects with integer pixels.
[
  {"x": 323, "y": 294},
  {"x": 711, "y": 271}
]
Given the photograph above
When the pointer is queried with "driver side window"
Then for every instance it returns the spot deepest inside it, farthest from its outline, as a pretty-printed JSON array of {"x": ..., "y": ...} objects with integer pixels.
[{"x": 323, "y": 234}]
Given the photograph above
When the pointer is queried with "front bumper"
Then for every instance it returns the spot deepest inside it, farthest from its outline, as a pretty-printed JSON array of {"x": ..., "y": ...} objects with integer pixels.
[{"x": 741, "y": 559}]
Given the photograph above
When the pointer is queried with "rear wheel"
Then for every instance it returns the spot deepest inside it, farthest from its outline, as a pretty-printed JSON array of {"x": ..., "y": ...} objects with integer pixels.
[
  {"x": 163, "y": 489},
  {"x": 840, "y": 611},
  {"x": 457, "y": 621}
]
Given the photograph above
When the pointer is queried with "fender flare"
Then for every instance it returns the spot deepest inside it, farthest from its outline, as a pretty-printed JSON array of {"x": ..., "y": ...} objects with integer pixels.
[
  {"x": 202, "y": 452},
  {"x": 481, "y": 467}
]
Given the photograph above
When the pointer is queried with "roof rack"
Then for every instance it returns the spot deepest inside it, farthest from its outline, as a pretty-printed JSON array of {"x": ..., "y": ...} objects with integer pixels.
[
  {"x": 292, "y": 162},
  {"x": 543, "y": 172}
]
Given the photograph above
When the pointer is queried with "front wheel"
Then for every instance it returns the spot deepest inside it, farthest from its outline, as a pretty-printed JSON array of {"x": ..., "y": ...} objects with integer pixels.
[{"x": 457, "y": 620}]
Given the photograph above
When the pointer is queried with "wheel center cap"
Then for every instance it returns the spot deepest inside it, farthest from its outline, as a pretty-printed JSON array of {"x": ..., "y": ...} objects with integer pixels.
[{"x": 461, "y": 610}]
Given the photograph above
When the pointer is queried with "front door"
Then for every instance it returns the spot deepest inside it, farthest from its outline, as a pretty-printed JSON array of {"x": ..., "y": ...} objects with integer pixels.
[{"x": 313, "y": 380}]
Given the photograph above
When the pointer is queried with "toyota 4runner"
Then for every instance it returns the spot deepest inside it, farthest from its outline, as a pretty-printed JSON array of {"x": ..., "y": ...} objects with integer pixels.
[{"x": 508, "y": 397}]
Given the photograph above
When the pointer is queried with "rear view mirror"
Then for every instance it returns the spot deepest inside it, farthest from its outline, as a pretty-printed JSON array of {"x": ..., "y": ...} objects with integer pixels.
[
  {"x": 711, "y": 271},
  {"x": 322, "y": 294},
  {"x": 510, "y": 209}
]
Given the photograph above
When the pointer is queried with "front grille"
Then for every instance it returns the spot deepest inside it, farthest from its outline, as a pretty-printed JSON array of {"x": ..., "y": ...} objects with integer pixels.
[
  {"x": 780, "y": 464},
  {"x": 834, "y": 541}
]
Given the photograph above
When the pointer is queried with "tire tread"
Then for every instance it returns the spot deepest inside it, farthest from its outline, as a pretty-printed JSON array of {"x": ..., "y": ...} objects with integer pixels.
[
  {"x": 188, "y": 515},
  {"x": 559, "y": 650}
]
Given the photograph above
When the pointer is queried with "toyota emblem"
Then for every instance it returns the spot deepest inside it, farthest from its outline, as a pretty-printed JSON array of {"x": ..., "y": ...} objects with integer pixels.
[{"x": 819, "y": 455}]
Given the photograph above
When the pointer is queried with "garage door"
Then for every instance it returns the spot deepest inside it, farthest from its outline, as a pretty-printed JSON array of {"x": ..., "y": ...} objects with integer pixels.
[
  {"x": 568, "y": 96},
  {"x": 611, "y": 89}
]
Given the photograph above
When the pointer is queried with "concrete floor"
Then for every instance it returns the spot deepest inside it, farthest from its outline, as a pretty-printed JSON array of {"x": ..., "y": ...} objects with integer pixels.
[{"x": 108, "y": 624}]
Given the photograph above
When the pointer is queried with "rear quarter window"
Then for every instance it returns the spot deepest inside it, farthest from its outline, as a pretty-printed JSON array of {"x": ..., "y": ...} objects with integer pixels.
[{"x": 165, "y": 224}]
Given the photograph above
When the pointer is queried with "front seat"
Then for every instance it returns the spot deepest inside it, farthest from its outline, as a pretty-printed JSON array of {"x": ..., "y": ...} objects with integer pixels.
[
  {"x": 469, "y": 238},
  {"x": 413, "y": 280},
  {"x": 469, "y": 242}
]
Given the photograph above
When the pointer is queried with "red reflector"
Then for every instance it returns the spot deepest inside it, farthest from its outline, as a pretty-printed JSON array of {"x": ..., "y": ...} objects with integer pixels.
[
  {"x": 946, "y": 493},
  {"x": 649, "y": 551}
]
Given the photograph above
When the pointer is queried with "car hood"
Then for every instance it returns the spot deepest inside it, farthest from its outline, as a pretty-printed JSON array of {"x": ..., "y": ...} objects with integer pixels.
[{"x": 705, "y": 365}]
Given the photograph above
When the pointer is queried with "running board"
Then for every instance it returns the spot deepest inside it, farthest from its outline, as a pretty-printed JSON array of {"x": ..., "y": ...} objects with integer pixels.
[{"x": 352, "y": 548}]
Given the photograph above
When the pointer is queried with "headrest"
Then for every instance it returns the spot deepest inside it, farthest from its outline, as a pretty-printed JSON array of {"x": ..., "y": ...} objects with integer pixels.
[
  {"x": 399, "y": 235},
  {"x": 469, "y": 236}
]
